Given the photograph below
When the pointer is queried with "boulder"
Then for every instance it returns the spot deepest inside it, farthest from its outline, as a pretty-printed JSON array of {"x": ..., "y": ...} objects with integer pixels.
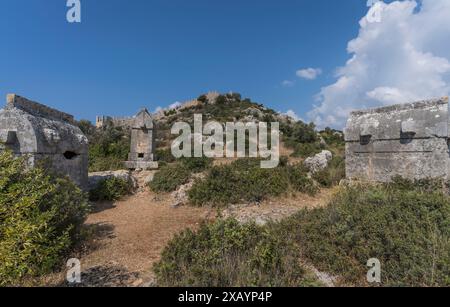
[{"x": 319, "y": 162}]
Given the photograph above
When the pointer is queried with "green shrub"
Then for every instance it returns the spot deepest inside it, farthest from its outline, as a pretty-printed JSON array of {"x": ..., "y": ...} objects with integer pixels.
[
  {"x": 170, "y": 178},
  {"x": 109, "y": 148},
  {"x": 299, "y": 132},
  {"x": 243, "y": 181},
  {"x": 300, "y": 181},
  {"x": 333, "y": 174},
  {"x": 196, "y": 165},
  {"x": 111, "y": 189},
  {"x": 408, "y": 230},
  {"x": 40, "y": 219},
  {"x": 227, "y": 254},
  {"x": 333, "y": 137},
  {"x": 164, "y": 155},
  {"x": 305, "y": 150}
]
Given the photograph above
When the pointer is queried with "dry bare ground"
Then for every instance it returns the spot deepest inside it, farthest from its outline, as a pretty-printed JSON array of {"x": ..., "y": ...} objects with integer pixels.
[{"x": 128, "y": 236}]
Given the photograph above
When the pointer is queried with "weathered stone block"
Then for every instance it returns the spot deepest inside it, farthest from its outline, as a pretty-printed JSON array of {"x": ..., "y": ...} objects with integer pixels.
[
  {"x": 142, "y": 147},
  {"x": 410, "y": 140},
  {"x": 45, "y": 135}
]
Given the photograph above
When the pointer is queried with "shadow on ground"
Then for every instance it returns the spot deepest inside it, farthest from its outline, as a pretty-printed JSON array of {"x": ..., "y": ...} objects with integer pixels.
[
  {"x": 109, "y": 275},
  {"x": 98, "y": 207}
]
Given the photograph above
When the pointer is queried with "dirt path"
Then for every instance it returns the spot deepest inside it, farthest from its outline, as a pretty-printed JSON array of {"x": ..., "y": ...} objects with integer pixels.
[{"x": 128, "y": 236}]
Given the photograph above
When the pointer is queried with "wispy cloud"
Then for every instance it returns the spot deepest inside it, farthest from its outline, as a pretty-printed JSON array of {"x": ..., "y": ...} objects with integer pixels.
[
  {"x": 288, "y": 83},
  {"x": 309, "y": 73}
]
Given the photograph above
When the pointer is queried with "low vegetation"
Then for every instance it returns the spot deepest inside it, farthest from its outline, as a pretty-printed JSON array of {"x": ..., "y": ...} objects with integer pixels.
[
  {"x": 111, "y": 189},
  {"x": 333, "y": 174},
  {"x": 40, "y": 219},
  {"x": 406, "y": 225},
  {"x": 165, "y": 155},
  {"x": 228, "y": 254},
  {"x": 108, "y": 146},
  {"x": 170, "y": 177},
  {"x": 245, "y": 181},
  {"x": 196, "y": 165}
]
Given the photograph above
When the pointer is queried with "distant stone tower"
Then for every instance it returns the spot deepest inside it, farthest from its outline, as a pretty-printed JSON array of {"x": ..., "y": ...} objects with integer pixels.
[{"x": 142, "y": 148}]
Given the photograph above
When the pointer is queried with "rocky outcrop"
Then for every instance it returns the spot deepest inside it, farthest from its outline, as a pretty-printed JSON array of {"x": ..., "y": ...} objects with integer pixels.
[{"x": 319, "y": 162}]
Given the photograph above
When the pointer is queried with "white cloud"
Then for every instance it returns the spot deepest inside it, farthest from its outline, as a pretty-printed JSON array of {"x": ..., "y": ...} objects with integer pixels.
[
  {"x": 402, "y": 58},
  {"x": 309, "y": 73},
  {"x": 293, "y": 115},
  {"x": 175, "y": 105},
  {"x": 288, "y": 83}
]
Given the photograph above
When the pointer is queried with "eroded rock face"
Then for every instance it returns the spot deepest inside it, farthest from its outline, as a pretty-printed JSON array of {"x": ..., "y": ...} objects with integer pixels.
[
  {"x": 319, "y": 162},
  {"x": 45, "y": 135},
  {"x": 409, "y": 140}
]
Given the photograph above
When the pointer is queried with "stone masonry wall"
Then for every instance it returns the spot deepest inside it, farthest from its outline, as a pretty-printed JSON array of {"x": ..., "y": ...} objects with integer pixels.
[{"x": 409, "y": 140}]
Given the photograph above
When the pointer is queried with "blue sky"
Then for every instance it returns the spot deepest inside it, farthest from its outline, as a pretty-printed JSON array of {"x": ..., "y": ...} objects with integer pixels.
[{"x": 129, "y": 54}]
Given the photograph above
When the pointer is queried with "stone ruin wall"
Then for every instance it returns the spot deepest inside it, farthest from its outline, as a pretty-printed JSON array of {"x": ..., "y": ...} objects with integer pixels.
[
  {"x": 124, "y": 122},
  {"x": 46, "y": 136},
  {"x": 410, "y": 140}
]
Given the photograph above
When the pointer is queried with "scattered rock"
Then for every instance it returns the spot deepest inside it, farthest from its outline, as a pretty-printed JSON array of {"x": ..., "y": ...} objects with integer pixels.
[
  {"x": 319, "y": 162},
  {"x": 180, "y": 196},
  {"x": 149, "y": 179}
]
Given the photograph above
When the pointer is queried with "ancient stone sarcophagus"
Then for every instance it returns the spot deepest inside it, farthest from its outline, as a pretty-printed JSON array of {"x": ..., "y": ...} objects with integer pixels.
[
  {"x": 410, "y": 140},
  {"x": 45, "y": 135},
  {"x": 142, "y": 147}
]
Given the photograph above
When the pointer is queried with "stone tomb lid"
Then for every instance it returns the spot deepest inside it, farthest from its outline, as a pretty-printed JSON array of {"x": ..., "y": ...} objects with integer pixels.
[{"x": 424, "y": 119}]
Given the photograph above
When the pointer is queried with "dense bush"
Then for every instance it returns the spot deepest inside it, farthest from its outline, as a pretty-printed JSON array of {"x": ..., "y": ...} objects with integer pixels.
[
  {"x": 108, "y": 149},
  {"x": 196, "y": 165},
  {"x": 404, "y": 225},
  {"x": 305, "y": 150},
  {"x": 300, "y": 181},
  {"x": 333, "y": 174},
  {"x": 333, "y": 137},
  {"x": 164, "y": 155},
  {"x": 245, "y": 181},
  {"x": 228, "y": 254},
  {"x": 111, "y": 189},
  {"x": 40, "y": 219},
  {"x": 299, "y": 132},
  {"x": 169, "y": 178}
]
